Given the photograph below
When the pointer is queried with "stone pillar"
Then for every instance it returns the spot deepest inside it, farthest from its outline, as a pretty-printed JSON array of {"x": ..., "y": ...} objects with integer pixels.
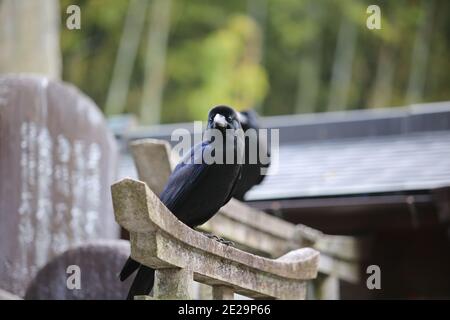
[{"x": 173, "y": 284}]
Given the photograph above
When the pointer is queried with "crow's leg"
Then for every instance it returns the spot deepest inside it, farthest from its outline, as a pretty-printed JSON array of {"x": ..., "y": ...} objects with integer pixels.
[
  {"x": 218, "y": 239},
  {"x": 226, "y": 242}
]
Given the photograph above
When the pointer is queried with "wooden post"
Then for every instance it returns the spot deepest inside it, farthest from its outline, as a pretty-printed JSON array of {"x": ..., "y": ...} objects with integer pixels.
[
  {"x": 173, "y": 284},
  {"x": 221, "y": 292}
]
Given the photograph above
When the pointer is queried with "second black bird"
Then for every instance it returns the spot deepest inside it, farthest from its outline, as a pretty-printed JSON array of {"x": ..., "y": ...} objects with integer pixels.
[{"x": 257, "y": 155}]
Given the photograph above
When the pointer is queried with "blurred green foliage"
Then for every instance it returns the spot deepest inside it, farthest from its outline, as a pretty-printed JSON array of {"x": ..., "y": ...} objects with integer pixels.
[
  {"x": 222, "y": 68},
  {"x": 221, "y": 52}
]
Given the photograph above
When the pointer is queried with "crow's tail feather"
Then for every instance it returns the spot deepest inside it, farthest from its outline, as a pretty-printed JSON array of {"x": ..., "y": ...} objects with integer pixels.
[
  {"x": 129, "y": 267},
  {"x": 142, "y": 283}
]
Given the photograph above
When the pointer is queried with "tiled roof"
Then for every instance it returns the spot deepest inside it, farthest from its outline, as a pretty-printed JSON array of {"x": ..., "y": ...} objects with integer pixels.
[
  {"x": 349, "y": 153},
  {"x": 359, "y": 166}
]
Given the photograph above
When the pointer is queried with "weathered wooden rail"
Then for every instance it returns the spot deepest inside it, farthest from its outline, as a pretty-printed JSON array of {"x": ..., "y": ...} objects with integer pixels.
[
  {"x": 258, "y": 232},
  {"x": 180, "y": 254}
]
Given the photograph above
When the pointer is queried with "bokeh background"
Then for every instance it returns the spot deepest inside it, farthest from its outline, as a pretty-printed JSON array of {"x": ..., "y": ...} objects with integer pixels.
[
  {"x": 177, "y": 58},
  {"x": 375, "y": 181}
]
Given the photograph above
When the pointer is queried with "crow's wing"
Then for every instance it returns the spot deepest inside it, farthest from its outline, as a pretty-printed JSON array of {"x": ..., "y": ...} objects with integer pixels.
[
  {"x": 182, "y": 181},
  {"x": 185, "y": 178},
  {"x": 233, "y": 188}
]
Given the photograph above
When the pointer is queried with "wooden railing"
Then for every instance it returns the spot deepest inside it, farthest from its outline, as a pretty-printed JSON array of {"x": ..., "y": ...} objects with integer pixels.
[
  {"x": 257, "y": 232},
  {"x": 180, "y": 254}
]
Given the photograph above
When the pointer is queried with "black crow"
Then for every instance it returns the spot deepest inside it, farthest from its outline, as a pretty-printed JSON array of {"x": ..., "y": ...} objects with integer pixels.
[
  {"x": 251, "y": 171},
  {"x": 198, "y": 187}
]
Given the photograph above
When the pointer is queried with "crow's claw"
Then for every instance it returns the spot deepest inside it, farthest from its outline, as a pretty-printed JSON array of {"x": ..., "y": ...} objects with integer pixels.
[
  {"x": 218, "y": 239},
  {"x": 226, "y": 242}
]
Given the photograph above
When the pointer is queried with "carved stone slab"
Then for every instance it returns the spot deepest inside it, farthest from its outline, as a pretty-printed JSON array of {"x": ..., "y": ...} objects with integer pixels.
[{"x": 57, "y": 162}]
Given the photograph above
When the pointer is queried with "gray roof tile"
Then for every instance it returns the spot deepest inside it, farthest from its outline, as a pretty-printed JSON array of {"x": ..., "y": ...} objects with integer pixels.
[
  {"x": 356, "y": 166},
  {"x": 350, "y": 152}
]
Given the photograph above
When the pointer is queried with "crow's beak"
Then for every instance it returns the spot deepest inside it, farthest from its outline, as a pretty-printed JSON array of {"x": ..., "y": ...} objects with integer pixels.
[{"x": 220, "y": 121}]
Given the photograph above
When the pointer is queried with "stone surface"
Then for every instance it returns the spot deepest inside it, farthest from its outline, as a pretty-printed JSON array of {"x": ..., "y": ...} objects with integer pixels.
[
  {"x": 57, "y": 163},
  {"x": 156, "y": 171},
  {"x": 100, "y": 263},
  {"x": 5, "y": 295},
  {"x": 342, "y": 269},
  {"x": 222, "y": 293},
  {"x": 256, "y": 231},
  {"x": 173, "y": 284},
  {"x": 327, "y": 287},
  {"x": 253, "y": 230},
  {"x": 29, "y": 37},
  {"x": 160, "y": 240}
]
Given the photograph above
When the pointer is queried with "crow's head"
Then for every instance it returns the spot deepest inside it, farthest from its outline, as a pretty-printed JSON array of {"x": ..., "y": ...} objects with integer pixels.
[
  {"x": 222, "y": 118},
  {"x": 248, "y": 119}
]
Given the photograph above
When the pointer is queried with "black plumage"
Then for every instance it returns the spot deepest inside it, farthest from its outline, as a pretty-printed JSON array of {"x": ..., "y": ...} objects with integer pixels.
[
  {"x": 251, "y": 171},
  {"x": 196, "y": 190}
]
